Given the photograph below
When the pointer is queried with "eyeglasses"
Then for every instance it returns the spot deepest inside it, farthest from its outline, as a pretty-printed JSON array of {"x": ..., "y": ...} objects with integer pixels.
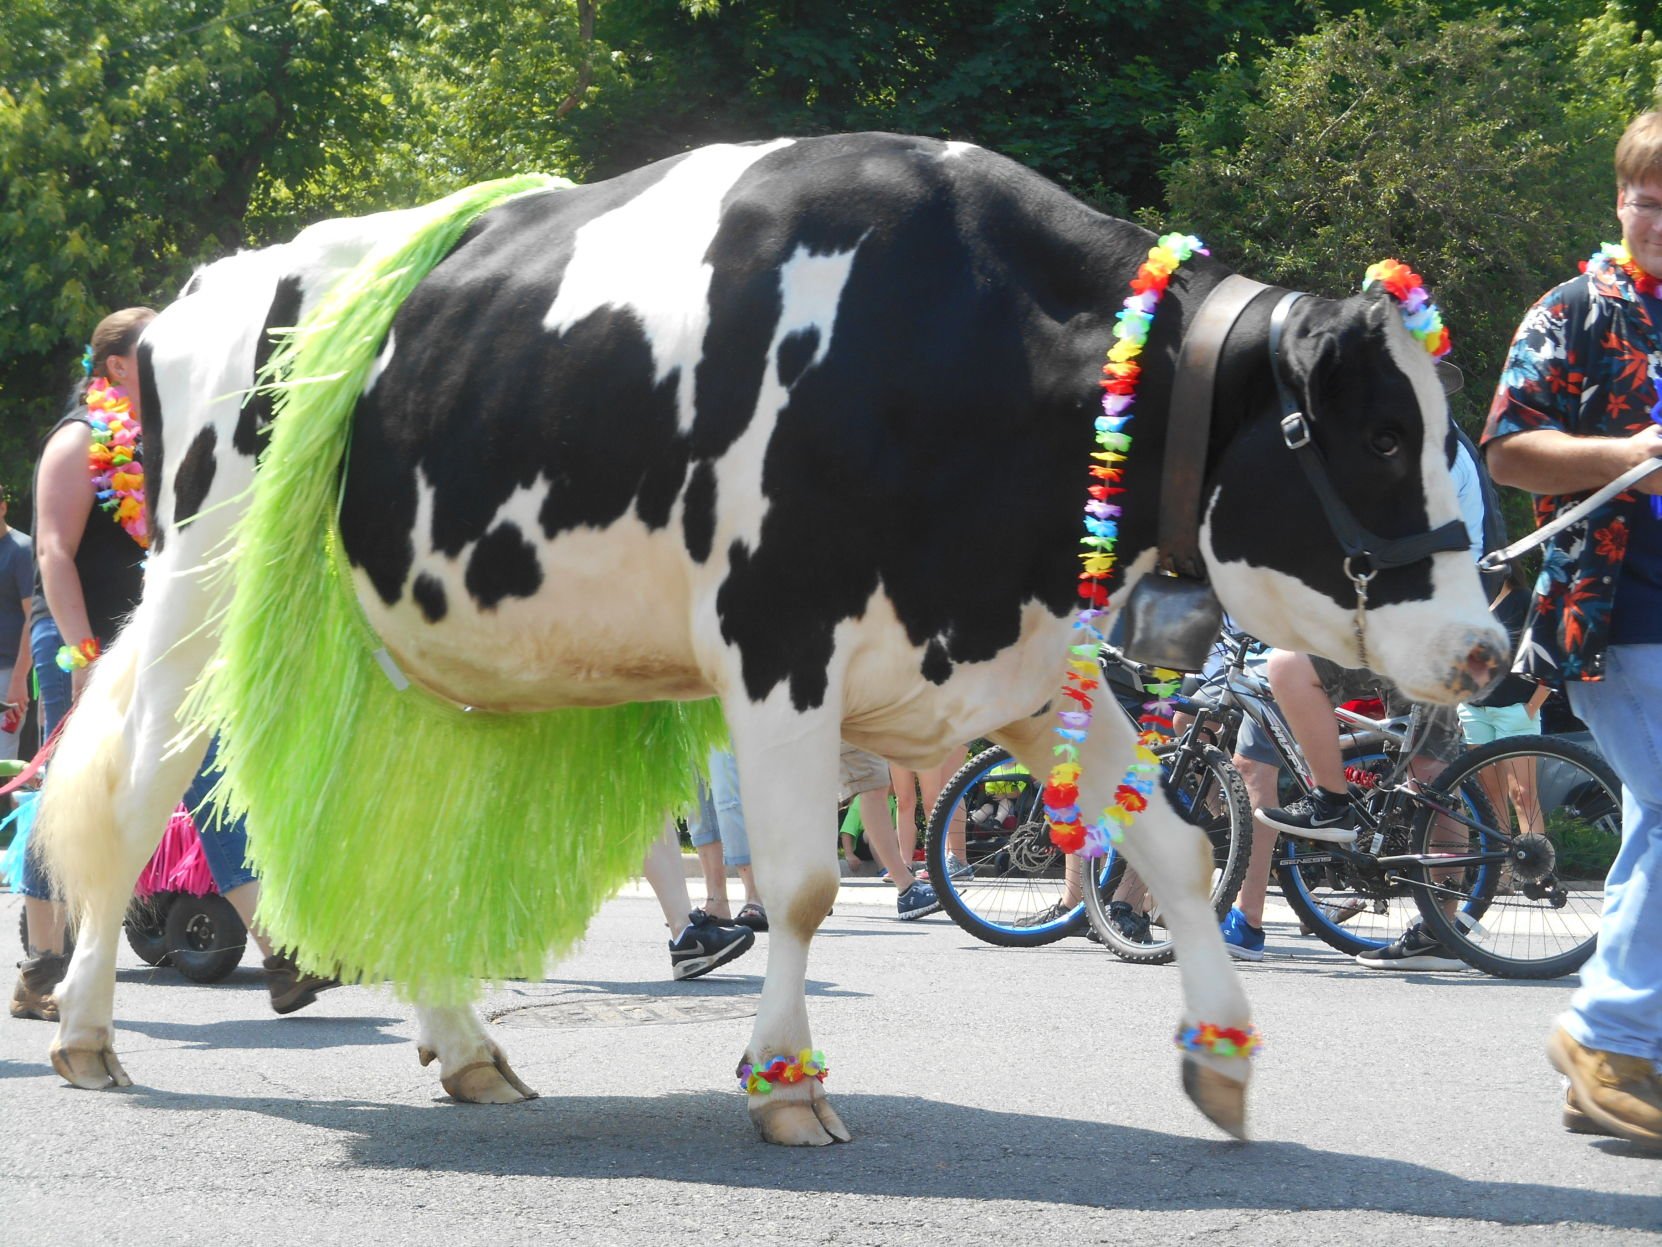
[{"x": 1645, "y": 209}]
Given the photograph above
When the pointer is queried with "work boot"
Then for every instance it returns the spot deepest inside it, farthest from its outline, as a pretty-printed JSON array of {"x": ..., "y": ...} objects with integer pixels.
[
  {"x": 38, "y": 977},
  {"x": 291, "y": 987},
  {"x": 1619, "y": 1093}
]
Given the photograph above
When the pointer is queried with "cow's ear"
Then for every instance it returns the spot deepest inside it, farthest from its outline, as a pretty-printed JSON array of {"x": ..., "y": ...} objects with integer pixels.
[{"x": 1451, "y": 378}]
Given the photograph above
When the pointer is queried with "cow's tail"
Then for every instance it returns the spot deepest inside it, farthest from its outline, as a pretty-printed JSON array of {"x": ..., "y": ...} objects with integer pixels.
[{"x": 76, "y": 830}]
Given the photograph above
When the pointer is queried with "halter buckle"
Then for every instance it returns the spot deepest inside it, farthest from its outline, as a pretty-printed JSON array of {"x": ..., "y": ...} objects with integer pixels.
[{"x": 1295, "y": 430}]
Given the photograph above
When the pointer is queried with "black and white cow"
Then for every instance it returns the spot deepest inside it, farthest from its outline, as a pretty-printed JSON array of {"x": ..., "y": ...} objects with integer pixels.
[{"x": 802, "y": 424}]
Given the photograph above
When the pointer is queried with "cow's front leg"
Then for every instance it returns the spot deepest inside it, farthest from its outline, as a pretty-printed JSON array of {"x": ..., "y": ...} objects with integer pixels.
[
  {"x": 472, "y": 1068},
  {"x": 1175, "y": 861},
  {"x": 788, "y": 775}
]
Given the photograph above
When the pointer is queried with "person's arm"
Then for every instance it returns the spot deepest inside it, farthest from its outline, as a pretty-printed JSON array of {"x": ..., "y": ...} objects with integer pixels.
[
  {"x": 17, "y": 690},
  {"x": 1551, "y": 461},
  {"x": 63, "y": 502}
]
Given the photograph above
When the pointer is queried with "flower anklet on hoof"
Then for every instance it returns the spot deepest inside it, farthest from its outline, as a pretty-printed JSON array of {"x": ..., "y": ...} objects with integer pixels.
[
  {"x": 759, "y": 1080},
  {"x": 1218, "y": 1040}
]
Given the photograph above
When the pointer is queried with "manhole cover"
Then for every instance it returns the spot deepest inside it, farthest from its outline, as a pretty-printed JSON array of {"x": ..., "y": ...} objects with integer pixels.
[{"x": 626, "y": 1011}]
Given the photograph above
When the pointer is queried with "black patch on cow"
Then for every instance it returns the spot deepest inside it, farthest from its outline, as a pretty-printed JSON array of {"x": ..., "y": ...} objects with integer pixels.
[
  {"x": 428, "y": 593},
  {"x": 1042, "y": 710},
  {"x": 937, "y": 667},
  {"x": 253, "y": 429},
  {"x": 196, "y": 475},
  {"x": 482, "y": 401},
  {"x": 698, "y": 512},
  {"x": 150, "y": 406},
  {"x": 192, "y": 286},
  {"x": 795, "y": 353},
  {"x": 504, "y": 564}
]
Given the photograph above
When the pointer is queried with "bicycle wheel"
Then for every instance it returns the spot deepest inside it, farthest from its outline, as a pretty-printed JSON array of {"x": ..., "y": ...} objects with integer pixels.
[
  {"x": 1552, "y": 825},
  {"x": 1011, "y": 883},
  {"x": 1214, "y": 799},
  {"x": 1348, "y": 909}
]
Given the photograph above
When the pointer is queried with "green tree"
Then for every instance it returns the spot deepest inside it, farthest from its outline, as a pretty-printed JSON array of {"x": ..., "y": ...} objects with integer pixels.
[
  {"x": 142, "y": 136},
  {"x": 1477, "y": 150}
]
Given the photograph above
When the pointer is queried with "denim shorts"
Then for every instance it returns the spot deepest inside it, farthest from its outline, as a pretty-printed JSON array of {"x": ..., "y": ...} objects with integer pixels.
[{"x": 1483, "y": 724}]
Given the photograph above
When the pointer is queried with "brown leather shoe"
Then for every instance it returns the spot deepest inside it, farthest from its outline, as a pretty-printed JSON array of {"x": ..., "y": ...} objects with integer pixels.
[
  {"x": 291, "y": 987},
  {"x": 38, "y": 977},
  {"x": 1577, "y": 1122},
  {"x": 1620, "y": 1094}
]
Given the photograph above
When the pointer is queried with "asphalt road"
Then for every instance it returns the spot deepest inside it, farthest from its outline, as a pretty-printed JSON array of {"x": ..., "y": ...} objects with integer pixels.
[{"x": 996, "y": 1096}]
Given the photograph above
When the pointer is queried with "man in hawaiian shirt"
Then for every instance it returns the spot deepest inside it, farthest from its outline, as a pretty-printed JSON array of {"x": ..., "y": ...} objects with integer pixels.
[{"x": 1572, "y": 413}]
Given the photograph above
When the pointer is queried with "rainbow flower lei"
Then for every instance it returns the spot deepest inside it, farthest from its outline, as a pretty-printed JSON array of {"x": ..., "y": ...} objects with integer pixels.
[
  {"x": 1068, "y": 830},
  {"x": 1218, "y": 1040},
  {"x": 1419, "y": 313},
  {"x": 759, "y": 1080},
  {"x": 117, "y": 443},
  {"x": 1617, "y": 254}
]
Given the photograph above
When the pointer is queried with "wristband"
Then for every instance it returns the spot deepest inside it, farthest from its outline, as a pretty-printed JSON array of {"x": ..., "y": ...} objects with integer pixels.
[{"x": 74, "y": 657}]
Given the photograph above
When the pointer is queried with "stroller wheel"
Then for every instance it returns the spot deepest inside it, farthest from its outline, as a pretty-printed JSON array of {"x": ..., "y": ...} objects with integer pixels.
[
  {"x": 204, "y": 937},
  {"x": 146, "y": 927}
]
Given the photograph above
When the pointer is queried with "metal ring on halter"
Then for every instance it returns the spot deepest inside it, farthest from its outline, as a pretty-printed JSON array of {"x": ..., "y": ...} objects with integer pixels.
[{"x": 1359, "y": 579}]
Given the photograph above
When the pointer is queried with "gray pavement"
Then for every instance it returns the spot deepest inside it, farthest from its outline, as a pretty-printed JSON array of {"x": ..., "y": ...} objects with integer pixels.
[{"x": 996, "y": 1096}]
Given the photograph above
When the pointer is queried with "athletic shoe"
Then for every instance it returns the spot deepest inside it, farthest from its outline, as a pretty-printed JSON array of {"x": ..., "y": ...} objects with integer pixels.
[
  {"x": 1620, "y": 1094},
  {"x": 958, "y": 869},
  {"x": 916, "y": 901},
  {"x": 291, "y": 988},
  {"x": 1132, "y": 926},
  {"x": 1243, "y": 941},
  {"x": 706, "y": 943},
  {"x": 1318, "y": 817},
  {"x": 1046, "y": 915},
  {"x": 1416, "y": 950}
]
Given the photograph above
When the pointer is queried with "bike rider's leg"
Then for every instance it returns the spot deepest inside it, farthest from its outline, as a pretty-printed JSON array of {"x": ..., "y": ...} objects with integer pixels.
[
  {"x": 1260, "y": 781},
  {"x": 1299, "y": 692}
]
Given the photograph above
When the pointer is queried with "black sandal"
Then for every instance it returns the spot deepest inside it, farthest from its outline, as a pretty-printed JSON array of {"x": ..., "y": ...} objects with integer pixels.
[{"x": 752, "y": 916}]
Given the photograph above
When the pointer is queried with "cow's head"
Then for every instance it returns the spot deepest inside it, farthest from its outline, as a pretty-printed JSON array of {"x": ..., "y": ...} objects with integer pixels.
[{"x": 1377, "y": 412}]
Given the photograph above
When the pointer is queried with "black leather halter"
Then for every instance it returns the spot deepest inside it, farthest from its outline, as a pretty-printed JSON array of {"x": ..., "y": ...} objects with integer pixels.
[{"x": 1365, "y": 551}]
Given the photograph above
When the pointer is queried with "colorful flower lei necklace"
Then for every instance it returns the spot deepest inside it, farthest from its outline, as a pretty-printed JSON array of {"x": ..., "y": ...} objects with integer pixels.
[
  {"x": 1419, "y": 313},
  {"x": 117, "y": 444},
  {"x": 1617, "y": 253},
  {"x": 1068, "y": 830}
]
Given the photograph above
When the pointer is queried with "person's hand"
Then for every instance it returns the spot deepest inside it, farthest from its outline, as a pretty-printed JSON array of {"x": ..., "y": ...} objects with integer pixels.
[
  {"x": 1647, "y": 444},
  {"x": 11, "y": 715},
  {"x": 78, "y": 681}
]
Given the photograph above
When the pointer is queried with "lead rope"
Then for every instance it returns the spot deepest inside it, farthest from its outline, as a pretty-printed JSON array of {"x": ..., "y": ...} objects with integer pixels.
[{"x": 1359, "y": 621}]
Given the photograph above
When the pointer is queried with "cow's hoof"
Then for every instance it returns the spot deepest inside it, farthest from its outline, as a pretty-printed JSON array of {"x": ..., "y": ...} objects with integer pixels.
[
  {"x": 91, "y": 1069},
  {"x": 482, "y": 1082},
  {"x": 1220, "y": 1097},
  {"x": 794, "y": 1118}
]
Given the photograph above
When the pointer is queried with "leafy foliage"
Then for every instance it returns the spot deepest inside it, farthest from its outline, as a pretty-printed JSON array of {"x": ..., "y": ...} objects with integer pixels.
[{"x": 1478, "y": 150}]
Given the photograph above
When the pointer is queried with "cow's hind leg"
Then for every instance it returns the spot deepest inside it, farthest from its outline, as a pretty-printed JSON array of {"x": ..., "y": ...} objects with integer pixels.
[
  {"x": 107, "y": 798},
  {"x": 1175, "y": 861},
  {"x": 788, "y": 774},
  {"x": 472, "y": 1068}
]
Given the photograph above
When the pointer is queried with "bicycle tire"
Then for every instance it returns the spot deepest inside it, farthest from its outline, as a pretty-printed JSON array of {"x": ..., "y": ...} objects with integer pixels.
[
  {"x": 1217, "y": 790},
  {"x": 1345, "y": 917},
  {"x": 1575, "y": 804},
  {"x": 1018, "y": 874}
]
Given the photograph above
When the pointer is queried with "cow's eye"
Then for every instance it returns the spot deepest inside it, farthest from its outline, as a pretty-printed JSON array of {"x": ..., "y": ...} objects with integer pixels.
[{"x": 1385, "y": 443}]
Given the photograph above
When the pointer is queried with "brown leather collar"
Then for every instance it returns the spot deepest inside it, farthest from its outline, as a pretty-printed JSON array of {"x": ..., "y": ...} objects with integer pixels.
[{"x": 1189, "y": 422}]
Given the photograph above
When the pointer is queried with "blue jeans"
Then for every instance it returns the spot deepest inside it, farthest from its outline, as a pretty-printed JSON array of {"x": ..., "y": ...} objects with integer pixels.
[
  {"x": 720, "y": 813},
  {"x": 1619, "y": 1005},
  {"x": 44, "y": 643},
  {"x": 225, "y": 847}
]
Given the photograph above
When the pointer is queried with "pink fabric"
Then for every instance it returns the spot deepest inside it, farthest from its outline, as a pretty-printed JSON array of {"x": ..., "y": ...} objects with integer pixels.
[{"x": 178, "y": 865}]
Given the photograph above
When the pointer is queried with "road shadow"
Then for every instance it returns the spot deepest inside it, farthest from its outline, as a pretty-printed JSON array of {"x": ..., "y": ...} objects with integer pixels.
[
  {"x": 909, "y": 1147},
  {"x": 724, "y": 985},
  {"x": 302, "y": 1031}
]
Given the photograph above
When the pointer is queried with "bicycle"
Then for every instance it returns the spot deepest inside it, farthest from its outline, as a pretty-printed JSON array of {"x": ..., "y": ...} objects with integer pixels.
[
  {"x": 1015, "y": 890},
  {"x": 1487, "y": 834}
]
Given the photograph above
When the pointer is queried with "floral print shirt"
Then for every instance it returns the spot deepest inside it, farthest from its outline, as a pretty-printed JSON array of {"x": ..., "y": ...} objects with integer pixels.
[{"x": 1584, "y": 361}]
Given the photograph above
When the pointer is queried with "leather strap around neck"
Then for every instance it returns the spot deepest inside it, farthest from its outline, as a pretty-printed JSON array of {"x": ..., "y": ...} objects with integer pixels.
[{"x": 1189, "y": 423}]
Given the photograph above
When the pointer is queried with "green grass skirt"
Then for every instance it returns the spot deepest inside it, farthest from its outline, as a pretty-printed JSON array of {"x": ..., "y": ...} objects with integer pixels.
[{"x": 397, "y": 836}]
